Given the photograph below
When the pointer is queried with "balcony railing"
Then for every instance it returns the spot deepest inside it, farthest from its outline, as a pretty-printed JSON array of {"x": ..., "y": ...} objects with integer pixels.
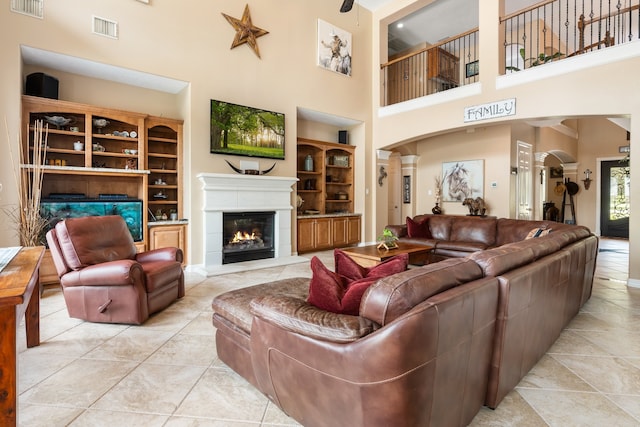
[
  {"x": 547, "y": 31},
  {"x": 432, "y": 69},
  {"x": 555, "y": 29}
]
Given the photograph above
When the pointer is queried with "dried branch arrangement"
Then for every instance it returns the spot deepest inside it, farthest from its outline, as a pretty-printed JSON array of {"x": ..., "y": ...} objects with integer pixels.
[{"x": 29, "y": 184}]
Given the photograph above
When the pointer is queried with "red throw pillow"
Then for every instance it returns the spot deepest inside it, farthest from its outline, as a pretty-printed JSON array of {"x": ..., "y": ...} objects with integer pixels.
[
  {"x": 342, "y": 291},
  {"x": 347, "y": 267},
  {"x": 418, "y": 230},
  {"x": 326, "y": 288}
]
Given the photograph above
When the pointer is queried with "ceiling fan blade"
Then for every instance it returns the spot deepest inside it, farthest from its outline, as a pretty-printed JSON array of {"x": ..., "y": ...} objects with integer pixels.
[{"x": 346, "y": 6}]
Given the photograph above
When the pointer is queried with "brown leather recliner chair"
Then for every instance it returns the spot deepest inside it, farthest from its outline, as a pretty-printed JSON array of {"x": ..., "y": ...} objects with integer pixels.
[{"x": 103, "y": 277}]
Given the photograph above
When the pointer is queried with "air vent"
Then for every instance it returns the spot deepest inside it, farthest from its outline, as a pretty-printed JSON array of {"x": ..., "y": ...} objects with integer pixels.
[
  {"x": 33, "y": 8},
  {"x": 105, "y": 27}
]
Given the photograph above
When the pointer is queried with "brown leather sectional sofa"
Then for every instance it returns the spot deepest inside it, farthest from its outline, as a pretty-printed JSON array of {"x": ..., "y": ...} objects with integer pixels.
[{"x": 430, "y": 346}]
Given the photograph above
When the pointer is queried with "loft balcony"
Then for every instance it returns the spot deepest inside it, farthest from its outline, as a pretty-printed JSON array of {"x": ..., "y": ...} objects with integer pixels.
[{"x": 548, "y": 31}]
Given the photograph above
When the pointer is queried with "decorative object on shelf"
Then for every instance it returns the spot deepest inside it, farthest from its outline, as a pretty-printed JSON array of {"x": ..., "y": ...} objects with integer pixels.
[
  {"x": 308, "y": 163},
  {"x": 310, "y": 184},
  {"x": 246, "y": 32},
  {"x": 131, "y": 164},
  {"x": 299, "y": 201},
  {"x": 78, "y": 146},
  {"x": 100, "y": 124},
  {"x": 173, "y": 215},
  {"x": 31, "y": 225},
  {"x": 341, "y": 195},
  {"x": 462, "y": 180},
  {"x": 340, "y": 160},
  {"x": 387, "y": 240},
  {"x": 98, "y": 147},
  {"x": 334, "y": 48},
  {"x": 382, "y": 174},
  {"x": 250, "y": 171},
  {"x": 587, "y": 179},
  {"x": 476, "y": 206},
  {"x": 58, "y": 121}
]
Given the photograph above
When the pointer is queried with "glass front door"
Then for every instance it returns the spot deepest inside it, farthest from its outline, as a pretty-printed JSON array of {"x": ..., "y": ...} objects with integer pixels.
[{"x": 615, "y": 191}]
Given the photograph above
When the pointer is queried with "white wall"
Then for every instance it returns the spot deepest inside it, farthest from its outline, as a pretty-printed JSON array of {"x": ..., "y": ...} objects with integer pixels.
[{"x": 190, "y": 41}]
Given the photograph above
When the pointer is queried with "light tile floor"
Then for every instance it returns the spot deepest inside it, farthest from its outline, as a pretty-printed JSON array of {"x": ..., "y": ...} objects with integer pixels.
[{"x": 166, "y": 373}]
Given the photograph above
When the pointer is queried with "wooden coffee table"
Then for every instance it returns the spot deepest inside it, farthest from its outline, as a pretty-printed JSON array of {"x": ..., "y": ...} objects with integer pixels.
[{"x": 370, "y": 255}]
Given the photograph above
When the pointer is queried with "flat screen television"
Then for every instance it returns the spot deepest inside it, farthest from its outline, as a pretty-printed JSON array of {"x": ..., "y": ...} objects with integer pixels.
[
  {"x": 55, "y": 210},
  {"x": 246, "y": 131}
]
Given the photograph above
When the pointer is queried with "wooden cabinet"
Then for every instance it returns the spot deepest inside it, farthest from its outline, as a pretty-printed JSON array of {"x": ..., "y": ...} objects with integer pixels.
[
  {"x": 346, "y": 231},
  {"x": 168, "y": 235},
  {"x": 109, "y": 158},
  {"x": 95, "y": 151},
  {"x": 314, "y": 234},
  {"x": 328, "y": 186},
  {"x": 443, "y": 68},
  {"x": 320, "y": 233},
  {"x": 164, "y": 147}
]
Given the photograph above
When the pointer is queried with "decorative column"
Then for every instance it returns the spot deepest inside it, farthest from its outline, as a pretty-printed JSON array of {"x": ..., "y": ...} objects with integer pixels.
[{"x": 382, "y": 193}]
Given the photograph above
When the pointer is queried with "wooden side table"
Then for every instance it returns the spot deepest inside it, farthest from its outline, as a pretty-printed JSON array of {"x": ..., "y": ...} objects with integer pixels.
[{"x": 19, "y": 295}]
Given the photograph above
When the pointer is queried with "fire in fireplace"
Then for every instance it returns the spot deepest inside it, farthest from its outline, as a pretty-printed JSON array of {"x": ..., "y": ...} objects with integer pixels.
[{"x": 247, "y": 236}]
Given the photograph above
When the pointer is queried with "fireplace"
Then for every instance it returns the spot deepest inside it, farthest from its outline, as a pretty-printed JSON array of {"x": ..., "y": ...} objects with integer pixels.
[
  {"x": 247, "y": 236},
  {"x": 226, "y": 193}
]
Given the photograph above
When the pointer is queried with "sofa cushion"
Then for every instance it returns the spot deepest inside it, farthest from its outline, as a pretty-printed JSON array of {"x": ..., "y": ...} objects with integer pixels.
[
  {"x": 497, "y": 261},
  {"x": 512, "y": 230},
  {"x": 392, "y": 296},
  {"x": 295, "y": 315},
  {"x": 417, "y": 229},
  {"x": 342, "y": 294},
  {"x": 474, "y": 229},
  {"x": 235, "y": 306},
  {"x": 440, "y": 226}
]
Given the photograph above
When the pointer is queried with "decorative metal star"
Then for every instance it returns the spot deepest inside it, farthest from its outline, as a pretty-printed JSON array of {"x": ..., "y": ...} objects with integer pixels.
[{"x": 246, "y": 32}]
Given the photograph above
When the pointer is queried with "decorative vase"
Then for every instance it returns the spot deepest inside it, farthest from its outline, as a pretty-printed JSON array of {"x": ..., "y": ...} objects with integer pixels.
[
  {"x": 436, "y": 209},
  {"x": 308, "y": 163}
]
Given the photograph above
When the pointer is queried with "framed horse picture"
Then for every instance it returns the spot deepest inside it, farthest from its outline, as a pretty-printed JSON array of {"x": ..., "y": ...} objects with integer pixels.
[{"x": 462, "y": 180}]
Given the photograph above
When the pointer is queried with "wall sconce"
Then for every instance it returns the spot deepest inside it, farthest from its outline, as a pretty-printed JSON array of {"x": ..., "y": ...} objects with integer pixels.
[{"x": 587, "y": 180}]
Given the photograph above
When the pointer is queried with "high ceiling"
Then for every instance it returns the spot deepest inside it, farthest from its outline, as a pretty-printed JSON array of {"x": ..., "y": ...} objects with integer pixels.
[{"x": 437, "y": 21}]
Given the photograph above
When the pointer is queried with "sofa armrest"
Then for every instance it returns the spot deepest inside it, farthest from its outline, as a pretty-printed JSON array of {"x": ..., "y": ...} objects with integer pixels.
[
  {"x": 124, "y": 272},
  {"x": 398, "y": 230},
  {"x": 297, "y": 315},
  {"x": 161, "y": 254}
]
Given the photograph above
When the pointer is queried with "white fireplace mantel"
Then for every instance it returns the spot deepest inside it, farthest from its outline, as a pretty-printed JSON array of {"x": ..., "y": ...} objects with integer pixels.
[{"x": 245, "y": 193}]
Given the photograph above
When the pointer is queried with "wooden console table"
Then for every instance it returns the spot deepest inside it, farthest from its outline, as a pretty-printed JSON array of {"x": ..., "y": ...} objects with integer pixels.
[{"x": 19, "y": 295}]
